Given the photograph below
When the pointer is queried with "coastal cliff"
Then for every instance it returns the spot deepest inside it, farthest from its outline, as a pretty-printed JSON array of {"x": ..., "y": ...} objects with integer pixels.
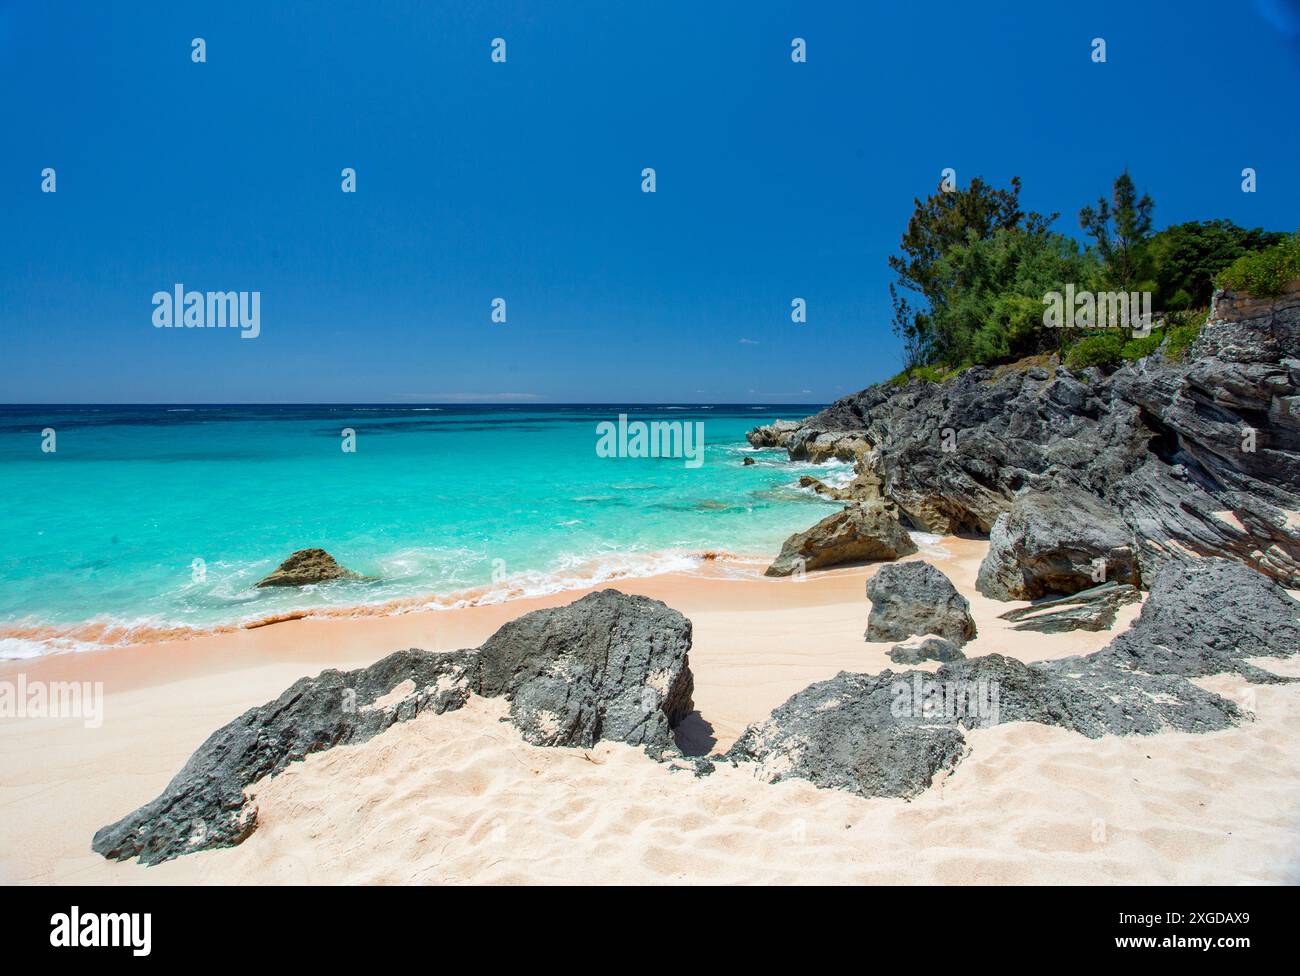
[{"x": 1198, "y": 455}]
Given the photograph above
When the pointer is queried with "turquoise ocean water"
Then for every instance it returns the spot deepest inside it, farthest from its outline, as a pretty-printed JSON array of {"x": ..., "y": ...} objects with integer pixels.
[{"x": 148, "y": 518}]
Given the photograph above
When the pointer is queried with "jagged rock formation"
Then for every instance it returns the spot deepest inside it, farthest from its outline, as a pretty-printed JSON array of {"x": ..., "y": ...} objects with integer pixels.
[
  {"x": 891, "y": 734},
  {"x": 926, "y": 649},
  {"x": 1199, "y": 457},
  {"x": 911, "y": 599},
  {"x": 864, "y": 487},
  {"x": 1059, "y": 541},
  {"x": 608, "y": 666},
  {"x": 1091, "y": 609},
  {"x": 807, "y": 445},
  {"x": 857, "y": 533},
  {"x": 1207, "y": 616},
  {"x": 308, "y": 566}
]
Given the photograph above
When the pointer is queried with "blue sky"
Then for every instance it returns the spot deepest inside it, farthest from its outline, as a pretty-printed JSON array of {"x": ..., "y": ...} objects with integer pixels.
[{"x": 523, "y": 180}]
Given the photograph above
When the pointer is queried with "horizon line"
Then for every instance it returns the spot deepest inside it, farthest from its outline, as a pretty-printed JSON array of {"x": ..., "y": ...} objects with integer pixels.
[{"x": 407, "y": 405}]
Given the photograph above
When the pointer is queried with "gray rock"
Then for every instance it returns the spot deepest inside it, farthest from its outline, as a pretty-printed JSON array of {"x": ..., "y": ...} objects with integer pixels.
[
  {"x": 914, "y": 598},
  {"x": 1092, "y": 609},
  {"x": 307, "y": 566},
  {"x": 772, "y": 435},
  {"x": 858, "y": 533},
  {"x": 841, "y": 734},
  {"x": 1201, "y": 458},
  {"x": 891, "y": 734},
  {"x": 1207, "y": 616},
  {"x": 927, "y": 649},
  {"x": 204, "y": 805},
  {"x": 608, "y": 666},
  {"x": 1053, "y": 542}
]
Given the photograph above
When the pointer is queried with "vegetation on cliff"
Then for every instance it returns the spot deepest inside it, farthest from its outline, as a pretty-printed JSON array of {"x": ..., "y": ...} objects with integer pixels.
[
  {"x": 1266, "y": 272},
  {"x": 974, "y": 269}
]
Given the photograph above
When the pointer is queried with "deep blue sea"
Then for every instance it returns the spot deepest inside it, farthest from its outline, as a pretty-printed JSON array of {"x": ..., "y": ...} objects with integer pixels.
[{"x": 146, "y": 518}]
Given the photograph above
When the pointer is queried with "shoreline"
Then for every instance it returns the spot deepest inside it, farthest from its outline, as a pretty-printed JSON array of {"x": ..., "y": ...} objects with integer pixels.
[
  {"x": 91, "y": 636},
  {"x": 95, "y": 635}
]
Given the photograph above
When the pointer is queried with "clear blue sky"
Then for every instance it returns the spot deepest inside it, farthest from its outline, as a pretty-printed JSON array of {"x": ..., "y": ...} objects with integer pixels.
[{"x": 522, "y": 180}]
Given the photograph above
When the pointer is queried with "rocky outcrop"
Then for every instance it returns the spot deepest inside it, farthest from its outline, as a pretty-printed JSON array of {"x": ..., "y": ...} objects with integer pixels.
[
  {"x": 1058, "y": 541},
  {"x": 308, "y": 566},
  {"x": 1091, "y": 609},
  {"x": 820, "y": 487},
  {"x": 892, "y": 734},
  {"x": 806, "y": 443},
  {"x": 1200, "y": 457},
  {"x": 1209, "y": 616},
  {"x": 909, "y": 599},
  {"x": 865, "y": 487},
  {"x": 926, "y": 649},
  {"x": 772, "y": 435},
  {"x": 608, "y": 666},
  {"x": 857, "y": 533}
]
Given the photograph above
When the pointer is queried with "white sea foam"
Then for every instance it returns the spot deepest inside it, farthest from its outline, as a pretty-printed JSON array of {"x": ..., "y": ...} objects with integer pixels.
[{"x": 22, "y": 649}]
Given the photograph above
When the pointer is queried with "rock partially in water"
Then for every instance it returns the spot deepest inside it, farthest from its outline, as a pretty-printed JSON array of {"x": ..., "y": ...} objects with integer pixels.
[
  {"x": 856, "y": 534},
  {"x": 911, "y": 599},
  {"x": 609, "y": 666},
  {"x": 1058, "y": 541},
  {"x": 307, "y": 566}
]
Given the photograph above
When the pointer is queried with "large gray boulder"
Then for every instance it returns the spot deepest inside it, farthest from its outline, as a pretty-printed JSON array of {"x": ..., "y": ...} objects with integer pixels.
[
  {"x": 857, "y": 533},
  {"x": 891, "y": 734},
  {"x": 609, "y": 666},
  {"x": 914, "y": 598},
  {"x": 307, "y": 566},
  {"x": 843, "y": 734},
  {"x": 1208, "y": 616},
  {"x": 1058, "y": 541}
]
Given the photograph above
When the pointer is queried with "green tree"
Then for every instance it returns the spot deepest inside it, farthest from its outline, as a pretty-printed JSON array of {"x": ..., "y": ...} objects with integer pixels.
[
  {"x": 991, "y": 290},
  {"x": 945, "y": 219},
  {"x": 1120, "y": 229},
  {"x": 1186, "y": 258}
]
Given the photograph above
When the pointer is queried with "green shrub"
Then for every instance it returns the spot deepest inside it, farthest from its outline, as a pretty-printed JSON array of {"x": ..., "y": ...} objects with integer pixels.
[
  {"x": 936, "y": 373},
  {"x": 1181, "y": 330},
  {"x": 1138, "y": 348},
  {"x": 1264, "y": 273},
  {"x": 1103, "y": 350}
]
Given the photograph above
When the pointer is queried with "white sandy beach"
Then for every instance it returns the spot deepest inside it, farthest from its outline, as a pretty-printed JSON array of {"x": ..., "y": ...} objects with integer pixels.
[{"x": 461, "y": 797}]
